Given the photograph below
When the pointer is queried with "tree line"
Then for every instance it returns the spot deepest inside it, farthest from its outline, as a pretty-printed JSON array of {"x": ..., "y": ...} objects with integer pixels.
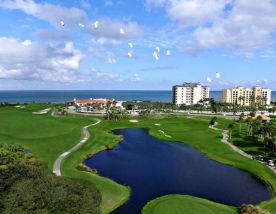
[{"x": 26, "y": 186}]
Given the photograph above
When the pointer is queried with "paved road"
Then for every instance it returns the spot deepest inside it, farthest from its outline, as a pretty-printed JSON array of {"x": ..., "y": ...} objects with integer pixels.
[
  {"x": 86, "y": 135},
  {"x": 235, "y": 148}
]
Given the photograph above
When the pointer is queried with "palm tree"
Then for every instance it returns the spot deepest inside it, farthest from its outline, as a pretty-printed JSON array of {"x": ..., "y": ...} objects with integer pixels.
[
  {"x": 241, "y": 119},
  {"x": 256, "y": 128},
  {"x": 241, "y": 98},
  {"x": 115, "y": 113},
  {"x": 249, "y": 126},
  {"x": 213, "y": 121},
  {"x": 231, "y": 126},
  {"x": 258, "y": 99}
]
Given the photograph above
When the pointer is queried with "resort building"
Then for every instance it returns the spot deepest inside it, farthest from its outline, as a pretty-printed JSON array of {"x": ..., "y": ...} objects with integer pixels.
[
  {"x": 189, "y": 93},
  {"x": 246, "y": 96},
  {"x": 97, "y": 102},
  {"x": 102, "y": 102}
]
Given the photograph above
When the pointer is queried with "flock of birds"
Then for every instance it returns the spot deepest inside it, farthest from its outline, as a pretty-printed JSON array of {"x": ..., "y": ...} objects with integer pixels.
[
  {"x": 156, "y": 53},
  {"x": 130, "y": 53},
  {"x": 209, "y": 79}
]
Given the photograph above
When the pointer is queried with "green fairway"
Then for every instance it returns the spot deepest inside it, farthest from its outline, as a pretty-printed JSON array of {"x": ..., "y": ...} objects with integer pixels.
[
  {"x": 179, "y": 204},
  {"x": 193, "y": 131},
  {"x": 48, "y": 137}
]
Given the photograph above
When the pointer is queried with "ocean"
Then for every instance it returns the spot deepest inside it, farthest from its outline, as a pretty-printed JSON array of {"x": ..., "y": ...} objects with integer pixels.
[{"x": 66, "y": 96}]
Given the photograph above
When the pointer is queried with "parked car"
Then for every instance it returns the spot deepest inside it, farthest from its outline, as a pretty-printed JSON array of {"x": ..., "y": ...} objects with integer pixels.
[
  {"x": 270, "y": 162},
  {"x": 259, "y": 158}
]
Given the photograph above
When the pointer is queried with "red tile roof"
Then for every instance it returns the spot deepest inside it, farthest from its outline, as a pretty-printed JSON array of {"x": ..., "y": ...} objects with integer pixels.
[{"x": 103, "y": 101}]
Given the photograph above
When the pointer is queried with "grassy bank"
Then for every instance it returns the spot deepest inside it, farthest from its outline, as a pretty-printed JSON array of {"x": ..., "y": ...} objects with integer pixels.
[
  {"x": 47, "y": 137},
  {"x": 179, "y": 204},
  {"x": 193, "y": 131},
  {"x": 251, "y": 146}
]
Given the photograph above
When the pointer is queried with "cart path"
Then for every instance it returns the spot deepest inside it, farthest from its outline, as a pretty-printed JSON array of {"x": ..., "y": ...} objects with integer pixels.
[
  {"x": 86, "y": 136},
  {"x": 235, "y": 148}
]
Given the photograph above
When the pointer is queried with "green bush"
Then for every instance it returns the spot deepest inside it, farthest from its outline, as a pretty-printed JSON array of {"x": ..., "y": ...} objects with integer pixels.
[{"x": 26, "y": 186}]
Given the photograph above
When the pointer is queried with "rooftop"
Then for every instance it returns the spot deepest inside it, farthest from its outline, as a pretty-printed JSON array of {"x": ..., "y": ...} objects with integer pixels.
[
  {"x": 103, "y": 101},
  {"x": 190, "y": 84}
]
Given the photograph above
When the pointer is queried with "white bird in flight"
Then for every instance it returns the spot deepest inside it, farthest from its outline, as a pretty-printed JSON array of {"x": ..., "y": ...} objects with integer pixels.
[
  {"x": 209, "y": 80},
  {"x": 122, "y": 31},
  {"x": 155, "y": 55},
  {"x": 218, "y": 75},
  {"x": 129, "y": 54},
  {"x": 130, "y": 45},
  {"x": 62, "y": 23},
  {"x": 158, "y": 49},
  {"x": 96, "y": 24},
  {"x": 168, "y": 52},
  {"x": 81, "y": 25}
]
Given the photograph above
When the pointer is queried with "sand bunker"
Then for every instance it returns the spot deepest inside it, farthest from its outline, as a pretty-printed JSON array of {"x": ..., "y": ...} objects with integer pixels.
[
  {"x": 168, "y": 136},
  {"x": 134, "y": 121},
  {"x": 44, "y": 111},
  {"x": 19, "y": 106}
]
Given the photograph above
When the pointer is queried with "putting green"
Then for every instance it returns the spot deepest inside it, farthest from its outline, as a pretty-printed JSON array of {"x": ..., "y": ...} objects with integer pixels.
[
  {"x": 48, "y": 137},
  {"x": 179, "y": 204}
]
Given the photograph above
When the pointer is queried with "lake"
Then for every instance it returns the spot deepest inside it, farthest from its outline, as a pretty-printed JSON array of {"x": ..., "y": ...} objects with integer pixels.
[{"x": 154, "y": 168}]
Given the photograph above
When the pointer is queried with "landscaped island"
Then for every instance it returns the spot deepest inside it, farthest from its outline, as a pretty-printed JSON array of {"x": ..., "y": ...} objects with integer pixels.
[{"x": 47, "y": 136}]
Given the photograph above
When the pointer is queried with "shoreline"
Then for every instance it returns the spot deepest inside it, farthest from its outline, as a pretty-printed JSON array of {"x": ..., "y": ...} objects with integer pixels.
[{"x": 150, "y": 131}]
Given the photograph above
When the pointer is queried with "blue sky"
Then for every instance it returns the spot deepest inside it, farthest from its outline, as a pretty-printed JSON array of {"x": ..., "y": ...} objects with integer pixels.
[{"x": 233, "y": 37}]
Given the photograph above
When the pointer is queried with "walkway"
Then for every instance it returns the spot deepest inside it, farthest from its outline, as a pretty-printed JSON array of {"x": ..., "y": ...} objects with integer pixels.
[
  {"x": 86, "y": 136},
  {"x": 237, "y": 149}
]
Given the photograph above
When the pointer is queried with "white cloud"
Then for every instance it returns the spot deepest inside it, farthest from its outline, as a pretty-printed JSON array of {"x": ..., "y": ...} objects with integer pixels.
[
  {"x": 109, "y": 28},
  {"x": 26, "y": 43},
  {"x": 107, "y": 37},
  {"x": 247, "y": 27},
  {"x": 103, "y": 54},
  {"x": 236, "y": 25},
  {"x": 268, "y": 54},
  {"x": 56, "y": 63},
  {"x": 155, "y": 3},
  {"x": 85, "y": 4},
  {"x": 54, "y": 35},
  {"x": 191, "y": 13},
  {"x": 136, "y": 78},
  {"x": 112, "y": 2},
  {"x": 46, "y": 11},
  {"x": 102, "y": 76}
]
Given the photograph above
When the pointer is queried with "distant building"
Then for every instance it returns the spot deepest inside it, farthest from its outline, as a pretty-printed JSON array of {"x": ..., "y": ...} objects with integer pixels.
[
  {"x": 259, "y": 116},
  {"x": 189, "y": 93},
  {"x": 99, "y": 102},
  {"x": 102, "y": 102},
  {"x": 246, "y": 96}
]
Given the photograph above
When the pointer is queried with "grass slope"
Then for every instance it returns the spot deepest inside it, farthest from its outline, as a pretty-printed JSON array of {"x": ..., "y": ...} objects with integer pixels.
[
  {"x": 179, "y": 204},
  {"x": 47, "y": 137},
  {"x": 193, "y": 131}
]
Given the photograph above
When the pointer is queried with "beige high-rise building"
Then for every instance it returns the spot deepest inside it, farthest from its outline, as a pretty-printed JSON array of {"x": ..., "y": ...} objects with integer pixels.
[
  {"x": 189, "y": 93},
  {"x": 246, "y": 96}
]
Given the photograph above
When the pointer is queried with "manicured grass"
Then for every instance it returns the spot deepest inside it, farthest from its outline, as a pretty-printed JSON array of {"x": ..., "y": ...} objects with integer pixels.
[
  {"x": 113, "y": 194},
  {"x": 192, "y": 131},
  {"x": 179, "y": 204},
  {"x": 47, "y": 137},
  {"x": 249, "y": 144}
]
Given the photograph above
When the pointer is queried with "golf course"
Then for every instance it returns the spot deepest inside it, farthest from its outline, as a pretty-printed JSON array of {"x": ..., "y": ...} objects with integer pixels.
[{"x": 48, "y": 136}]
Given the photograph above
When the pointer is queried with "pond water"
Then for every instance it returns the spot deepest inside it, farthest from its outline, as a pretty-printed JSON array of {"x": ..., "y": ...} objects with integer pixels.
[{"x": 154, "y": 168}]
